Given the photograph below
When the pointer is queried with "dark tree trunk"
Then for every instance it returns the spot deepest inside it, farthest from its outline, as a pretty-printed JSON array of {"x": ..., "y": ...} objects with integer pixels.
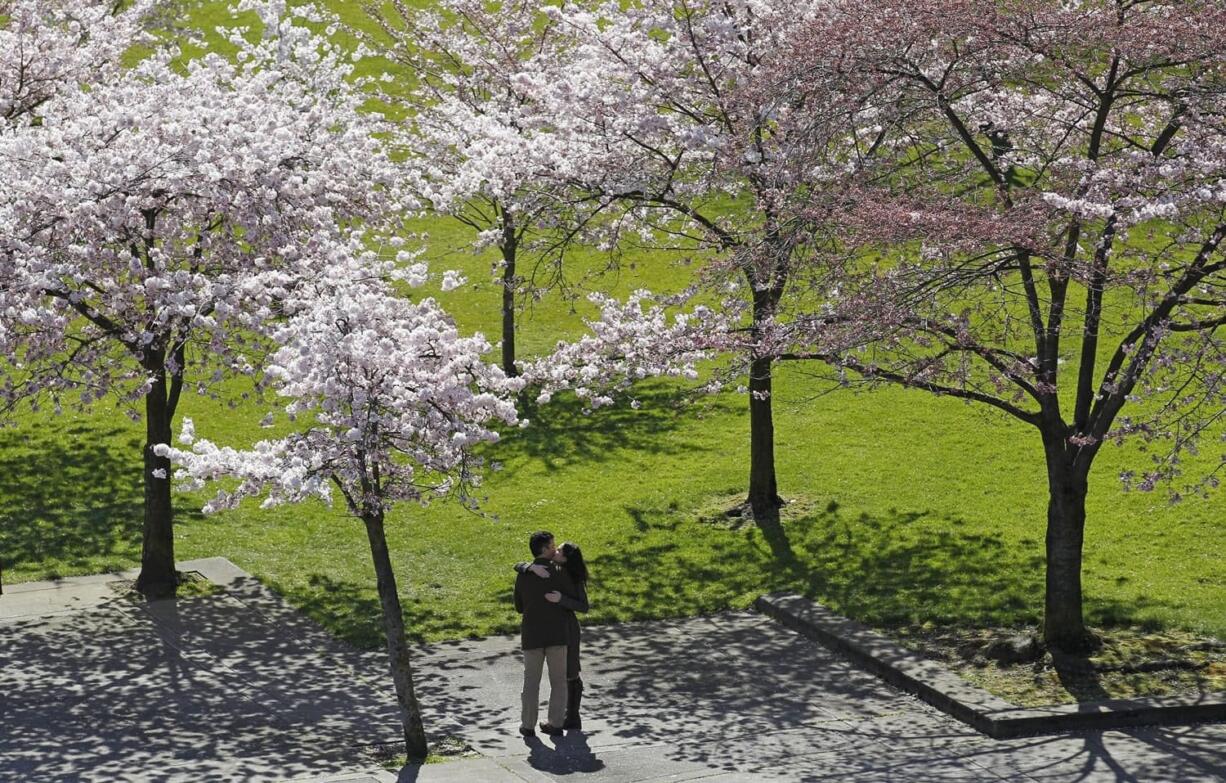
[
  {"x": 1063, "y": 622},
  {"x": 764, "y": 500},
  {"x": 397, "y": 644},
  {"x": 157, "y": 563},
  {"x": 510, "y": 249}
]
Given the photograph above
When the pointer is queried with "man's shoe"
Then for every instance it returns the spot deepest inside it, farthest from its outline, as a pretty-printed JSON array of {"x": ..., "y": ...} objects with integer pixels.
[
  {"x": 526, "y": 732},
  {"x": 552, "y": 731}
]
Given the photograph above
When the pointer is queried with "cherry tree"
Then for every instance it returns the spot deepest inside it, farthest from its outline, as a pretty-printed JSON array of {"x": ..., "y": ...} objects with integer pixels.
[
  {"x": 478, "y": 147},
  {"x": 51, "y": 46},
  {"x": 156, "y": 218},
  {"x": 659, "y": 106},
  {"x": 396, "y": 401},
  {"x": 1053, "y": 249}
]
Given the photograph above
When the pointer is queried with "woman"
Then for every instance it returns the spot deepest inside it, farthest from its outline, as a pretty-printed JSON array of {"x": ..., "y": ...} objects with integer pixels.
[{"x": 571, "y": 572}]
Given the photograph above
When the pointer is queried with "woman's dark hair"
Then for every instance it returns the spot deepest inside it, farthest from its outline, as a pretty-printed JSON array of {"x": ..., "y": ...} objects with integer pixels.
[{"x": 574, "y": 564}]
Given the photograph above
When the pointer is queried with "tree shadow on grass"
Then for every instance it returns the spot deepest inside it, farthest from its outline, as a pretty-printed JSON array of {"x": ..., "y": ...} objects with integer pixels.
[
  {"x": 351, "y": 612},
  {"x": 69, "y": 499},
  {"x": 901, "y": 568},
  {"x": 908, "y": 568},
  {"x": 562, "y": 433},
  {"x": 72, "y": 501}
]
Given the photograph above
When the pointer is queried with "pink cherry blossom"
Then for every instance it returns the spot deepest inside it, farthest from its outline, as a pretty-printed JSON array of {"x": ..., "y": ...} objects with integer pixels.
[
  {"x": 628, "y": 343},
  {"x": 478, "y": 147},
  {"x": 392, "y": 403},
  {"x": 1044, "y": 235},
  {"x": 51, "y": 46},
  {"x": 392, "y": 398},
  {"x": 157, "y": 217}
]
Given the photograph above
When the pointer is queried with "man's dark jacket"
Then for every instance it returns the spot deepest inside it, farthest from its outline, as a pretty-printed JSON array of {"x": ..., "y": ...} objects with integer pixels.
[{"x": 544, "y": 623}]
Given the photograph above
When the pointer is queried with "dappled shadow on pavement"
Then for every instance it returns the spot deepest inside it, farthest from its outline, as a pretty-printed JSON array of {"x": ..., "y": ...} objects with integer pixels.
[
  {"x": 238, "y": 686},
  {"x": 753, "y": 701},
  {"x": 1189, "y": 754},
  {"x": 737, "y": 695},
  {"x": 920, "y": 744},
  {"x": 233, "y": 686},
  {"x": 724, "y": 691}
]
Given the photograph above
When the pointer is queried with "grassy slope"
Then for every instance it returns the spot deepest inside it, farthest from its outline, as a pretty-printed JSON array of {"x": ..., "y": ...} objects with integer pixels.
[{"x": 907, "y": 508}]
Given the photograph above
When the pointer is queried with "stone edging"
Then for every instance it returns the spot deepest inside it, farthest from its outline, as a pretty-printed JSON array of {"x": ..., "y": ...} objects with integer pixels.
[{"x": 951, "y": 694}]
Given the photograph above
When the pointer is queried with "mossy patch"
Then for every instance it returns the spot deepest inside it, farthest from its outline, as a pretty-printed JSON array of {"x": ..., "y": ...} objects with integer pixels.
[{"x": 1133, "y": 662}]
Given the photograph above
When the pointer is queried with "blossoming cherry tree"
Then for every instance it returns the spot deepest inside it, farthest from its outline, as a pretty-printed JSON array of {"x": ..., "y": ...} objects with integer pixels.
[
  {"x": 156, "y": 217},
  {"x": 396, "y": 400}
]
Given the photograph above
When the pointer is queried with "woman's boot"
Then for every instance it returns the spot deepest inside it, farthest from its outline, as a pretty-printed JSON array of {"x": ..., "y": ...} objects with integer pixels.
[{"x": 574, "y": 695}]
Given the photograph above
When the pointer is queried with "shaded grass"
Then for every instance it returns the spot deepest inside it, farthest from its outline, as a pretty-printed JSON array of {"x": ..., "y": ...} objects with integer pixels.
[
  {"x": 70, "y": 499},
  {"x": 1131, "y": 663}
]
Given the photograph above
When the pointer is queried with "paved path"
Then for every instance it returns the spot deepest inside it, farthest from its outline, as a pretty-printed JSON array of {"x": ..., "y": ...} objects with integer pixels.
[{"x": 239, "y": 687}]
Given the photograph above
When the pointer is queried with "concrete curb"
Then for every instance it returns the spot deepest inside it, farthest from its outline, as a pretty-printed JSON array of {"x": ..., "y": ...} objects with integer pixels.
[{"x": 974, "y": 706}]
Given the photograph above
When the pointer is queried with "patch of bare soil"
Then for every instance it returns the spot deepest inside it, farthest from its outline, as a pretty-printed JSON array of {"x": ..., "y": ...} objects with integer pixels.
[
  {"x": 733, "y": 512},
  {"x": 392, "y": 757},
  {"x": 191, "y": 585}
]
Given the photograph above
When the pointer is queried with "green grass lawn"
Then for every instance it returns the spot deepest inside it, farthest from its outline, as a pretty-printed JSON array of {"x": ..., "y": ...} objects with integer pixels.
[{"x": 905, "y": 508}]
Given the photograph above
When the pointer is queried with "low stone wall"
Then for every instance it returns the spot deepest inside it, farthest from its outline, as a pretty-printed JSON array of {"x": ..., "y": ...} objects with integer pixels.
[{"x": 951, "y": 694}]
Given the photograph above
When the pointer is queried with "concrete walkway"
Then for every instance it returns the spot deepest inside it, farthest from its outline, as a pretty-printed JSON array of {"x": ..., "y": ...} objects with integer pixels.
[{"x": 239, "y": 687}]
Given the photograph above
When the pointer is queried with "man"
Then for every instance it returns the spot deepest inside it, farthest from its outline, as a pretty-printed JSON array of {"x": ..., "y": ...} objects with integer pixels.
[{"x": 543, "y": 637}]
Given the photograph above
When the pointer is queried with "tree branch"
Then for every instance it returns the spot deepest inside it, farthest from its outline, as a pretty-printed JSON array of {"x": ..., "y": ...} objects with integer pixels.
[
  {"x": 1113, "y": 395},
  {"x": 874, "y": 373}
]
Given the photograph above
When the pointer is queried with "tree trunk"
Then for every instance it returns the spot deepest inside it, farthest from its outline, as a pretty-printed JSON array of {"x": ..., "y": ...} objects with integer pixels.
[
  {"x": 157, "y": 563},
  {"x": 1063, "y": 623},
  {"x": 764, "y": 498},
  {"x": 510, "y": 248},
  {"x": 397, "y": 644}
]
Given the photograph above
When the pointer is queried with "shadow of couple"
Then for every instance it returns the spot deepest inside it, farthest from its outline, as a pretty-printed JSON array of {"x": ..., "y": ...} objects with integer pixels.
[{"x": 562, "y": 754}]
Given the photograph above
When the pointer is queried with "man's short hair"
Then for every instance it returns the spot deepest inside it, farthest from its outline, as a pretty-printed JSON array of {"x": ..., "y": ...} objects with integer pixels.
[{"x": 538, "y": 541}]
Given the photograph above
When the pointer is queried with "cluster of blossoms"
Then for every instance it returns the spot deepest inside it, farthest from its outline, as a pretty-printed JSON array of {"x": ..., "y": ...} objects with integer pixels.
[
  {"x": 479, "y": 149},
  {"x": 628, "y": 343},
  {"x": 393, "y": 396},
  {"x": 51, "y": 46},
  {"x": 475, "y": 133},
  {"x": 165, "y": 209}
]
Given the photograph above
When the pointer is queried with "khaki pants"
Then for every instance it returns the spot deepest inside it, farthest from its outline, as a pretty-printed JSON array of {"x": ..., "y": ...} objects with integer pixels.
[{"x": 534, "y": 661}]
